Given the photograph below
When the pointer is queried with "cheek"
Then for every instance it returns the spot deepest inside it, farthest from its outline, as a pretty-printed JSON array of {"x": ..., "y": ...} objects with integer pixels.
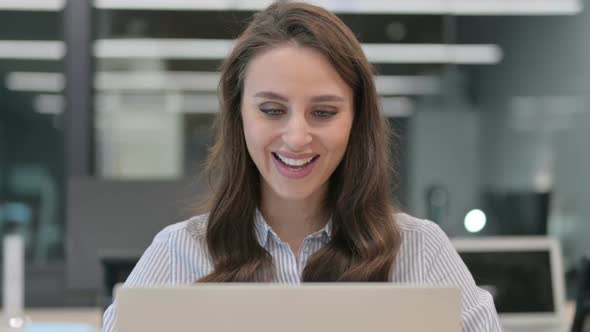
[
  {"x": 340, "y": 143},
  {"x": 255, "y": 134},
  {"x": 339, "y": 137}
]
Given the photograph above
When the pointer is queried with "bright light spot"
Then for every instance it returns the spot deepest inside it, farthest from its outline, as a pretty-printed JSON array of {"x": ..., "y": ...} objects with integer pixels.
[
  {"x": 16, "y": 322},
  {"x": 475, "y": 221}
]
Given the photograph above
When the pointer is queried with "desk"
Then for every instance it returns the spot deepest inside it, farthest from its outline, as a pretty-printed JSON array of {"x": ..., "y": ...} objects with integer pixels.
[{"x": 89, "y": 316}]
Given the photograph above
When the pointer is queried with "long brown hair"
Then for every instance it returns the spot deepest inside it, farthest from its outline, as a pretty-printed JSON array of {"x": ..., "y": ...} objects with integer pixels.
[{"x": 365, "y": 237}]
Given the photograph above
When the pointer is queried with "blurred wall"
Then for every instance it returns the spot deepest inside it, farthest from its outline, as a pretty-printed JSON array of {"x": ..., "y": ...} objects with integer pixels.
[
  {"x": 114, "y": 219},
  {"x": 445, "y": 151},
  {"x": 536, "y": 106}
]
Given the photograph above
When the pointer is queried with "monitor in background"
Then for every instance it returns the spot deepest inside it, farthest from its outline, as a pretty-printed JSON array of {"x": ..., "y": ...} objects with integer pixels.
[
  {"x": 524, "y": 275},
  {"x": 516, "y": 213},
  {"x": 509, "y": 277}
]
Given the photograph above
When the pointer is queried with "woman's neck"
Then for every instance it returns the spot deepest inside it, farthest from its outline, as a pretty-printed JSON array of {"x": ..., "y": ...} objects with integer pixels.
[{"x": 293, "y": 220}]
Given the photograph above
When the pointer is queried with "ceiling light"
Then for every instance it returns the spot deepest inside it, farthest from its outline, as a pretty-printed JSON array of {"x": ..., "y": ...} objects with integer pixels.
[
  {"x": 163, "y": 48},
  {"x": 433, "y": 53},
  {"x": 49, "y": 104},
  {"x": 407, "y": 85},
  {"x": 32, "y": 81},
  {"x": 32, "y": 49},
  {"x": 387, "y": 85},
  {"x": 157, "y": 80},
  {"x": 220, "y": 48},
  {"x": 32, "y": 5},
  {"x": 516, "y": 7},
  {"x": 443, "y": 7}
]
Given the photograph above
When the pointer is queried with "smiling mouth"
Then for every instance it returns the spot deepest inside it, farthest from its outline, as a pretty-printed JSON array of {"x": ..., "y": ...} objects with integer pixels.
[{"x": 295, "y": 164}]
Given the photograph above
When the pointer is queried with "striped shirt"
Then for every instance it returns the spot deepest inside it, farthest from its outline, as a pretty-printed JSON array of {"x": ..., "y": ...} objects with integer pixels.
[{"x": 178, "y": 256}]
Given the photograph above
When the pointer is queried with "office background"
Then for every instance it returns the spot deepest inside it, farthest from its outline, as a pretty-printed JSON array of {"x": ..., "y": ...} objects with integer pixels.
[{"x": 106, "y": 109}]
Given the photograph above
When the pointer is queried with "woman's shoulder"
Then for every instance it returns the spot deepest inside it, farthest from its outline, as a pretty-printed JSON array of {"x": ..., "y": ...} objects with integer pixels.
[
  {"x": 421, "y": 232},
  {"x": 196, "y": 227},
  {"x": 422, "y": 241},
  {"x": 412, "y": 225}
]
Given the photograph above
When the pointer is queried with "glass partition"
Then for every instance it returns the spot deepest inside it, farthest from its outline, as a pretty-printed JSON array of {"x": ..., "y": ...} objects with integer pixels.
[{"x": 32, "y": 187}]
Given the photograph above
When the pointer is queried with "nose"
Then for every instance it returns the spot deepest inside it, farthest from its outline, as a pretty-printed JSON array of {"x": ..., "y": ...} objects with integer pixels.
[{"x": 297, "y": 135}]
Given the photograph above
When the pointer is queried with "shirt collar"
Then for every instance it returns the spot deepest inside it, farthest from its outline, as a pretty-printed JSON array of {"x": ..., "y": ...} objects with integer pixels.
[{"x": 263, "y": 230}]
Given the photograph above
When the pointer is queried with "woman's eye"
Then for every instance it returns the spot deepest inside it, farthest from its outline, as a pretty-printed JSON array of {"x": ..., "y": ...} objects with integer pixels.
[
  {"x": 272, "y": 111},
  {"x": 323, "y": 114}
]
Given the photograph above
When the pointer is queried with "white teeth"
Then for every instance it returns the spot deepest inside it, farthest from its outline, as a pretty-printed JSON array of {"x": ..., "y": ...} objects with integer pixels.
[{"x": 294, "y": 162}]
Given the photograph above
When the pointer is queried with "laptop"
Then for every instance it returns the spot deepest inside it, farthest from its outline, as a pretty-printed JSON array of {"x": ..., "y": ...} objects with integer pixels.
[
  {"x": 525, "y": 277},
  {"x": 351, "y": 307}
]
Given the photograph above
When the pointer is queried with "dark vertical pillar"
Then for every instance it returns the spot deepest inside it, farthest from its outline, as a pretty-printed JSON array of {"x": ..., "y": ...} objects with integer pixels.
[
  {"x": 79, "y": 71},
  {"x": 78, "y": 118}
]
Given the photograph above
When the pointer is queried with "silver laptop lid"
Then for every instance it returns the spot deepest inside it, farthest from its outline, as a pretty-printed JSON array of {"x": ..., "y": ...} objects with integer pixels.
[
  {"x": 524, "y": 274},
  {"x": 276, "y": 307}
]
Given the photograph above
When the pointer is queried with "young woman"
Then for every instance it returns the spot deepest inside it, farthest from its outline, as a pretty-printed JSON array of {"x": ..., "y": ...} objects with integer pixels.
[{"x": 302, "y": 178}]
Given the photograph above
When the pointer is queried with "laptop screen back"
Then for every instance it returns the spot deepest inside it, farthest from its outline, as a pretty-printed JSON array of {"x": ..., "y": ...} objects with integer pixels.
[
  {"x": 350, "y": 307},
  {"x": 520, "y": 281}
]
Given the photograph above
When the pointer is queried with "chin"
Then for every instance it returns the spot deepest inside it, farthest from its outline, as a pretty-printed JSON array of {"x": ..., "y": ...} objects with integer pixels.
[{"x": 294, "y": 194}]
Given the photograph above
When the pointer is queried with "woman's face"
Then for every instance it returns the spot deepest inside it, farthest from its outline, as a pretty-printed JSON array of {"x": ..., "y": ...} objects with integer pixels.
[{"x": 297, "y": 114}]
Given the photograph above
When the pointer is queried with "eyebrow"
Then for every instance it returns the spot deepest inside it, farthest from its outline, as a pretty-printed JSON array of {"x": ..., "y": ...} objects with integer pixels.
[
  {"x": 271, "y": 95},
  {"x": 315, "y": 99}
]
